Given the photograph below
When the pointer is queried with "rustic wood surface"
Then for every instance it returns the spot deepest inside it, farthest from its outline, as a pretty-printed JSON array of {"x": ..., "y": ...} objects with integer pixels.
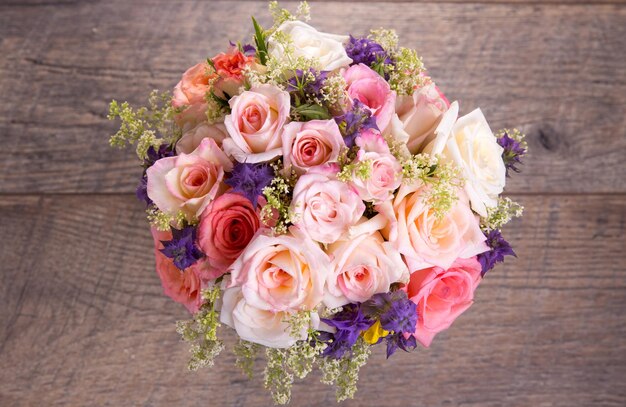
[{"x": 82, "y": 319}]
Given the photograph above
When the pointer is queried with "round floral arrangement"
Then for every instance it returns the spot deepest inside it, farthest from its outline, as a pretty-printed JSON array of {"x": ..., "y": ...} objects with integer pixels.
[{"x": 318, "y": 194}]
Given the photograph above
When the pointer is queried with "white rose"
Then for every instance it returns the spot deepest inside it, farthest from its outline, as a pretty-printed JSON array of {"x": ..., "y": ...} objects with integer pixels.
[
  {"x": 309, "y": 43},
  {"x": 260, "y": 326},
  {"x": 471, "y": 145}
]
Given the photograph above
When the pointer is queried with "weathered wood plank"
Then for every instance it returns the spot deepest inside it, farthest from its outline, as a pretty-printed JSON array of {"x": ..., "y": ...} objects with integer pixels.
[
  {"x": 555, "y": 71},
  {"x": 84, "y": 321}
]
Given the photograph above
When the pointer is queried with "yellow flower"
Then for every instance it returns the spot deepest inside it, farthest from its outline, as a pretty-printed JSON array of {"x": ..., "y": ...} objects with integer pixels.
[{"x": 374, "y": 333}]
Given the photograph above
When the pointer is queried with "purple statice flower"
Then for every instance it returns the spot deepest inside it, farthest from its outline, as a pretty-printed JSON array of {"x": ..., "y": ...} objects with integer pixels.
[
  {"x": 499, "y": 249},
  {"x": 399, "y": 340},
  {"x": 513, "y": 152},
  {"x": 367, "y": 51},
  {"x": 394, "y": 311},
  {"x": 301, "y": 82},
  {"x": 182, "y": 248},
  {"x": 354, "y": 121},
  {"x": 153, "y": 155},
  {"x": 250, "y": 179},
  {"x": 142, "y": 190},
  {"x": 349, "y": 322}
]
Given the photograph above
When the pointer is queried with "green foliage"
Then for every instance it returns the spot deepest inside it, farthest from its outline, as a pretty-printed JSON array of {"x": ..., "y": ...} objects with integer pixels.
[
  {"x": 344, "y": 372},
  {"x": 310, "y": 111},
  {"x": 278, "y": 196},
  {"x": 260, "y": 41},
  {"x": 501, "y": 214},
  {"x": 144, "y": 126},
  {"x": 277, "y": 377},
  {"x": 201, "y": 331},
  {"x": 163, "y": 221},
  {"x": 246, "y": 352},
  {"x": 361, "y": 170}
]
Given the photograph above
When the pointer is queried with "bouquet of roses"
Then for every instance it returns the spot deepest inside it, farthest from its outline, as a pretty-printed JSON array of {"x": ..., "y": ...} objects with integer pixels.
[{"x": 318, "y": 194}]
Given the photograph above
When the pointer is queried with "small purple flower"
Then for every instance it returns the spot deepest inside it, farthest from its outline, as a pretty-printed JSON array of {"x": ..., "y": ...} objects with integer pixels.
[
  {"x": 366, "y": 51},
  {"x": 142, "y": 190},
  {"x": 182, "y": 248},
  {"x": 499, "y": 249},
  {"x": 513, "y": 152},
  {"x": 301, "y": 82},
  {"x": 356, "y": 120},
  {"x": 250, "y": 179},
  {"x": 394, "y": 311},
  {"x": 398, "y": 340},
  {"x": 153, "y": 155},
  {"x": 247, "y": 49},
  {"x": 349, "y": 322}
]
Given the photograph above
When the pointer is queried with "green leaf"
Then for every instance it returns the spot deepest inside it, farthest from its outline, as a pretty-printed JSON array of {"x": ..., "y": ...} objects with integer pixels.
[
  {"x": 259, "y": 40},
  {"x": 312, "y": 112}
]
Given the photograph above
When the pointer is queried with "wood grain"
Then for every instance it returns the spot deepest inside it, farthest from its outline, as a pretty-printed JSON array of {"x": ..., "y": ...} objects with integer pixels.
[
  {"x": 556, "y": 71},
  {"x": 84, "y": 321}
]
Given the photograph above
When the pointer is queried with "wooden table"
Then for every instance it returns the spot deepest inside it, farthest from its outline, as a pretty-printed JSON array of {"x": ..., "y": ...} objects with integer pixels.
[{"x": 83, "y": 319}]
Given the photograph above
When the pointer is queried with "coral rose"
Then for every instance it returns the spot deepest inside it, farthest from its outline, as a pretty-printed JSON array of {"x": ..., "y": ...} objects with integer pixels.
[
  {"x": 189, "y": 94},
  {"x": 442, "y": 295},
  {"x": 226, "y": 227},
  {"x": 229, "y": 68}
]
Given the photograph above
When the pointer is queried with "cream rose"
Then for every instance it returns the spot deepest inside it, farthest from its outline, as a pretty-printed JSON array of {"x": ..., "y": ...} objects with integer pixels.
[
  {"x": 257, "y": 325},
  {"x": 327, "y": 49},
  {"x": 426, "y": 240},
  {"x": 471, "y": 145},
  {"x": 255, "y": 124},
  {"x": 191, "y": 138},
  {"x": 281, "y": 273},
  {"x": 360, "y": 268},
  {"x": 420, "y": 114},
  {"x": 324, "y": 207}
]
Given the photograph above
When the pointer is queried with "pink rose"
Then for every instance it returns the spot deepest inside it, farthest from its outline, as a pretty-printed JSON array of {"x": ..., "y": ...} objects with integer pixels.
[
  {"x": 424, "y": 239},
  {"x": 360, "y": 268},
  {"x": 255, "y": 124},
  {"x": 325, "y": 208},
  {"x": 420, "y": 114},
  {"x": 226, "y": 227},
  {"x": 442, "y": 295},
  {"x": 191, "y": 138},
  {"x": 310, "y": 144},
  {"x": 386, "y": 172},
  {"x": 190, "y": 94},
  {"x": 181, "y": 286},
  {"x": 188, "y": 182},
  {"x": 281, "y": 273},
  {"x": 229, "y": 67},
  {"x": 373, "y": 91}
]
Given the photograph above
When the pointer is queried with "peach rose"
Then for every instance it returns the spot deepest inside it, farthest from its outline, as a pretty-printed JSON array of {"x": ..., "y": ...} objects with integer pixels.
[
  {"x": 424, "y": 239},
  {"x": 281, "y": 273},
  {"x": 190, "y": 94},
  {"x": 420, "y": 114},
  {"x": 255, "y": 124},
  {"x": 258, "y": 325},
  {"x": 386, "y": 172},
  {"x": 191, "y": 138},
  {"x": 229, "y": 67},
  {"x": 181, "y": 286},
  {"x": 310, "y": 144},
  {"x": 325, "y": 208},
  {"x": 442, "y": 295},
  {"x": 226, "y": 227},
  {"x": 373, "y": 91},
  {"x": 188, "y": 182},
  {"x": 360, "y": 268}
]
